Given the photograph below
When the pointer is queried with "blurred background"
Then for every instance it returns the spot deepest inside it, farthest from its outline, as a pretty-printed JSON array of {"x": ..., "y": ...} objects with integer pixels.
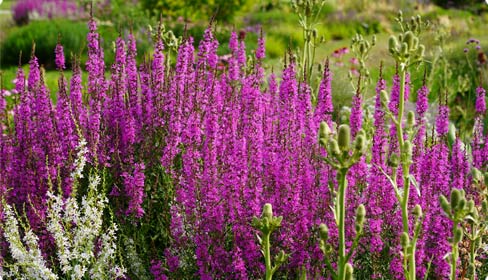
[{"x": 455, "y": 39}]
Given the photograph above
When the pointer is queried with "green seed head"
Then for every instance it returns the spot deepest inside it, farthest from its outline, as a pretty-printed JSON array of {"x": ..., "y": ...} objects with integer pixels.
[{"x": 344, "y": 137}]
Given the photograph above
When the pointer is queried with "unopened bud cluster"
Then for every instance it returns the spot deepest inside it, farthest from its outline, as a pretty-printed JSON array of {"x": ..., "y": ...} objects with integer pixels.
[
  {"x": 341, "y": 151},
  {"x": 406, "y": 48}
]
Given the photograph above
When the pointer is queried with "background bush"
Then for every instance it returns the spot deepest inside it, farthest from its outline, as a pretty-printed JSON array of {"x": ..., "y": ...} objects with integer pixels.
[
  {"x": 45, "y": 36},
  {"x": 224, "y": 10}
]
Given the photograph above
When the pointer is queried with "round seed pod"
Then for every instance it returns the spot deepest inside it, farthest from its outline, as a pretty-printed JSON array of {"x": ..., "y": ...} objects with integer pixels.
[{"x": 344, "y": 137}]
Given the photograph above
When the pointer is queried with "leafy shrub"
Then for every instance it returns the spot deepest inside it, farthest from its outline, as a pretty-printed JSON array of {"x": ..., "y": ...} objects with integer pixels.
[
  {"x": 223, "y": 10},
  {"x": 45, "y": 35}
]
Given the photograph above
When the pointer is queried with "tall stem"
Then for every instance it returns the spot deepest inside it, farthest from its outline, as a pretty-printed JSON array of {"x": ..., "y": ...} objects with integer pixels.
[
  {"x": 342, "y": 213},
  {"x": 406, "y": 173},
  {"x": 267, "y": 256},
  {"x": 455, "y": 253}
]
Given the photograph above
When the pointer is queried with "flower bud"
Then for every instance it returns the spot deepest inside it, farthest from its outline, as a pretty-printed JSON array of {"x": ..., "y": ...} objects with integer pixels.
[
  {"x": 392, "y": 44},
  {"x": 477, "y": 175},
  {"x": 408, "y": 147},
  {"x": 411, "y": 119},
  {"x": 470, "y": 206},
  {"x": 360, "y": 214},
  {"x": 360, "y": 144},
  {"x": 408, "y": 39},
  {"x": 445, "y": 204},
  {"x": 362, "y": 48},
  {"x": 349, "y": 271},
  {"x": 315, "y": 33},
  {"x": 404, "y": 49},
  {"x": 421, "y": 51},
  {"x": 451, "y": 134},
  {"x": 323, "y": 232},
  {"x": 323, "y": 142},
  {"x": 417, "y": 211},
  {"x": 267, "y": 211},
  {"x": 455, "y": 198},
  {"x": 415, "y": 44},
  {"x": 344, "y": 137},
  {"x": 404, "y": 239},
  {"x": 458, "y": 235},
  {"x": 324, "y": 130},
  {"x": 333, "y": 148},
  {"x": 461, "y": 203}
]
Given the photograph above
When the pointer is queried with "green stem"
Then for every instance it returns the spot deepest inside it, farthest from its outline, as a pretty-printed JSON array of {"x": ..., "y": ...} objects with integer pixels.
[
  {"x": 472, "y": 255},
  {"x": 454, "y": 255},
  {"x": 267, "y": 256},
  {"x": 342, "y": 213},
  {"x": 406, "y": 173}
]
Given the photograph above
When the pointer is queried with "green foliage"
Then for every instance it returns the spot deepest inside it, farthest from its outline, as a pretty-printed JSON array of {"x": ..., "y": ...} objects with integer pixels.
[
  {"x": 224, "y": 10},
  {"x": 45, "y": 36}
]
